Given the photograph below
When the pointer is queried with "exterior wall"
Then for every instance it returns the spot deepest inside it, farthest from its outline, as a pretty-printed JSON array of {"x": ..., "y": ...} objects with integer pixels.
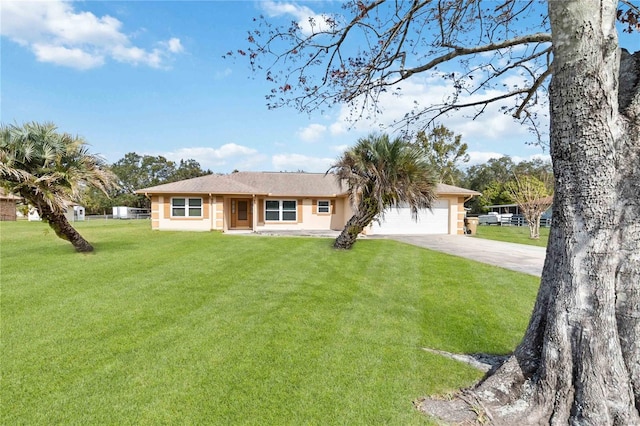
[
  {"x": 156, "y": 208},
  {"x": 7, "y": 210},
  {"x": 308, "y": 218},
  {"x": 217, "y": 214},
  {"x": 461, "y": 215},
  {"x": 343, "y": 214},
  {"x": 453, "y": 213},
  {"x": 162, "y": 209}
]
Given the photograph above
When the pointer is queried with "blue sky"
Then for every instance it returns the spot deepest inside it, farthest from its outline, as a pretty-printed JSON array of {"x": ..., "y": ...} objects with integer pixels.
[{"x": 150, "y": 77}]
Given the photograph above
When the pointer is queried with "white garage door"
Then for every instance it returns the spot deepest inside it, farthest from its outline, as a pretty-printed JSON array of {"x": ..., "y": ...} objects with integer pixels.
[{"x": 400, "y": 222}]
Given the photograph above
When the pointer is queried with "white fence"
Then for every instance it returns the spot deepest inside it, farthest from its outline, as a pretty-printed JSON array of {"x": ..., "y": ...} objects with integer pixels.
[{"x": 111, "y": 217}]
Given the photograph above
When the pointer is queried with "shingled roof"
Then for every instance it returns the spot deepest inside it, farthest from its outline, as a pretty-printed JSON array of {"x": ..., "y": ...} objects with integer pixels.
[
  {"x": 443, "y": 188},
  {"x": 4, "y": 195},
  {"x": 277, "y": 184},
  {"x": 255, "y": 183}
]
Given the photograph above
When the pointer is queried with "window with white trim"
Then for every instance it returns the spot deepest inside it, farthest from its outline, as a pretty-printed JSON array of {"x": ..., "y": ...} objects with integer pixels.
[
  {"x": 186, "y": 207},
  {"x": 324, "y": 206},
  {"x": 281, "y": 210}
]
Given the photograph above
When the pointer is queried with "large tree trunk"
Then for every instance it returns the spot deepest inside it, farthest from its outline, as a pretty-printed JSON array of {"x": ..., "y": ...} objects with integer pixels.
[
  {"x": 579, "y": 362},
  {"x": 63, "y": 229},
  {"x": 360, "y": 220}
]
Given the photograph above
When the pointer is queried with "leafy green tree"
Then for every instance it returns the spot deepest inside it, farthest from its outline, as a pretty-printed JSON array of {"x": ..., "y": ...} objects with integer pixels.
[
  {"x": 188, "y": 169},
  {"x": 445, "y": 152},
  {"x": 382, "y": 173},
  {"x": 536, "y": 168},
  {"x": 140, "y": 171},
  {"x": 96, "y": 201},
  {"x": 491, "y": 179},
  {"x": 496, "y": 193},
  {"x": 480, "y": 176},
  {"x": 136, "y": 171},
  {"x": 49, "y": 169}
]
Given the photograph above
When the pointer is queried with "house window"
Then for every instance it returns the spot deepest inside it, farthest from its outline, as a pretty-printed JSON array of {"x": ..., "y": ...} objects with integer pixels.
[
  {"x": 323, "y": 206},
  {"x": 281, "y": 210},
  {"x": 272, "y": 210},
  {"x": 186, "y": 207}
]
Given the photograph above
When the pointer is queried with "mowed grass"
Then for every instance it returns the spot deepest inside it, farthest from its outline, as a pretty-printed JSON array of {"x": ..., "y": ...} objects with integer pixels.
[
  {"x": 513, "y": 234},
  {"x": 205, "y": 328}
]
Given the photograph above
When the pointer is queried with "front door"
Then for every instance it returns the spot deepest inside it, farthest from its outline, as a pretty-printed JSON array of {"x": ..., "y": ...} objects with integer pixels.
[{"x": 241, "y": 213}]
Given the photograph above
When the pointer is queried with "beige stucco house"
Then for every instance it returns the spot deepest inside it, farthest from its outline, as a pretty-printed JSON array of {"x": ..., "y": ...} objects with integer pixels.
[{"x": 272, "y": 201}]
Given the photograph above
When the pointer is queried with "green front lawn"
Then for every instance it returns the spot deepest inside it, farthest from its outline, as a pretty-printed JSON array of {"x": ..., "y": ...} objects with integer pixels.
[
  {"x": 512, "y": 234},
  {"x": 204, "y": 328}
]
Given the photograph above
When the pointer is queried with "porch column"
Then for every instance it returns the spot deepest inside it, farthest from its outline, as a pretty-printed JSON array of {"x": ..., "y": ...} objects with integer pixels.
[{"x": 254, "y": 209}]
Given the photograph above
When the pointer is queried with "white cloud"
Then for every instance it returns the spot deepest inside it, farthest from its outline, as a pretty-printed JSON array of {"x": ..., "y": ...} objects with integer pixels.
[
  {"x": 338, "y": 128},
  {"x": 227, "y": 156},
  {"x": 543, "y": 156},
  {"x": 56, "y": 33},
  {"x": 492, "y": 130},
  {"x": 477, "y": 157},
  {"x": 308, "y": 21},
  {"x": 225, "y": 151},
  {"x": 481, "y": 157},
  {"x": 312, "y": 132},
  {"x": 294, "y": 162},
  {"x": 135, "y": 55},
  {"x": 60, "y": 55},
  {"x": 257, "y": 162},
  {"x": 174, "y": 45}
]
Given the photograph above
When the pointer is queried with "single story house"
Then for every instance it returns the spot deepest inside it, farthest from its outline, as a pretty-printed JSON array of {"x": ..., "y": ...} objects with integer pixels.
[
  {"x": 8, "y": 204},
  {"x": 272, "y": 201}
]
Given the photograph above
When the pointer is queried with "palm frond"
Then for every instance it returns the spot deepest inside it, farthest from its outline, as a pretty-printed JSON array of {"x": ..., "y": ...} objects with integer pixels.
[
  {"x": 45, "y": 166},
  {"x": 381, "y": 173}
]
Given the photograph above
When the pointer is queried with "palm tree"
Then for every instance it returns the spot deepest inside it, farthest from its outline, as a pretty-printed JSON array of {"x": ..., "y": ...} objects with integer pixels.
[
  {"x": 381, "y": 174},
  {"x": 49, "y": 170}
]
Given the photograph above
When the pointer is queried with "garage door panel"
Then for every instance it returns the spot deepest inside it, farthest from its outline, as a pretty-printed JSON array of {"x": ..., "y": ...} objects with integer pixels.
[{"x": 400, "y": 222}]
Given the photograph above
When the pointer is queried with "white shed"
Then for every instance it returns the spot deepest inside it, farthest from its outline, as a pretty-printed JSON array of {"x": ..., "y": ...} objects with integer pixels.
[
  {"x": 124, "y": 212},
  {"x": 73, "y": 213}
]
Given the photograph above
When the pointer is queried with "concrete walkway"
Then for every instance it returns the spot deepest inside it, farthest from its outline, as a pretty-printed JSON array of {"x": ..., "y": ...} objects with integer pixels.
[{"x": 517, "y": 257}]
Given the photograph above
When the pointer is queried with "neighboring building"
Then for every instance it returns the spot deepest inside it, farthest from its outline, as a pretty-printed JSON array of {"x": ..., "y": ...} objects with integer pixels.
[
  {"x": 8, "y": 206},
  {"x": 517, "y": 217},
  {"x": 124, "y": 212},
  {"x": 271, "y": 201}
]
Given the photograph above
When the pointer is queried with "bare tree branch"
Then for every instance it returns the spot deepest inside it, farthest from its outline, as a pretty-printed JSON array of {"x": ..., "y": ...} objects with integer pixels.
[
  {"x": 462, "y": 51},
  {"x": 397, "y": 40}
]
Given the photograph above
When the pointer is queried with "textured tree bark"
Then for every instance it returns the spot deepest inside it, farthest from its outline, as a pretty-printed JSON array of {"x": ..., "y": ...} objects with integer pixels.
[
  {"x": 360, "y": 220},
  {"x": 60, "y": 225},
  {"x": 579, "y": 362}
]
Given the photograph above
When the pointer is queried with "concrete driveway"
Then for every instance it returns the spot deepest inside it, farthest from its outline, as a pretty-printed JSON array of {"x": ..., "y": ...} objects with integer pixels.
[{"x": 517, "y": 257}]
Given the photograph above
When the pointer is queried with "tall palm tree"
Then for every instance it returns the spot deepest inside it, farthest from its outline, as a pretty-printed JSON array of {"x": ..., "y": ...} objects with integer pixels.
[
  {"x": 381, "y": 174},
  {"x": 49, "y": 170}
]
